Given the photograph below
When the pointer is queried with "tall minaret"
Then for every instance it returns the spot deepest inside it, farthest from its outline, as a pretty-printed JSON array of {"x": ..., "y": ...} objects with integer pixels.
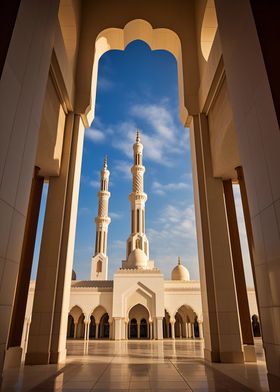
[
  {"x": 99, "y": 263},
  {"x": 138, "y": 198}
]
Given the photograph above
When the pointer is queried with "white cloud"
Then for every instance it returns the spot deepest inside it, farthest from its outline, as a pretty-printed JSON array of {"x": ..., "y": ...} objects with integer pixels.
[
  {"x": 161, "y": 137},
  {"x": 105, "y": 84},
  {"x": 115, "y": 215},
  {"x": 94, "y": 135},
  {"x": 94, "y": 184},
  {"x": 123, "y": 167},
  {"x": 162, "y": 189}
]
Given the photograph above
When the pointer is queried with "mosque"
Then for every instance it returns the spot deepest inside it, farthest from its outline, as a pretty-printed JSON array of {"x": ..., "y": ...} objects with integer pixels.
[{"x": 138, "y": 303}]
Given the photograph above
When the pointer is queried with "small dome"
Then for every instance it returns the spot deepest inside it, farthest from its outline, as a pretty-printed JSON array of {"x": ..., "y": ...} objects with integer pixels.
[
  {"x": 180, "y": 272},
  {"x": 137, "y": 259},
  {"x": 74, "y": 277}
]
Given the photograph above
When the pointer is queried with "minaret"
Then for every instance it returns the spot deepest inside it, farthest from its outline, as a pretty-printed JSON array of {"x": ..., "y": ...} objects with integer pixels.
[
  {"x": 99, "y": 264},
  {"x": 138, "y": 198}
]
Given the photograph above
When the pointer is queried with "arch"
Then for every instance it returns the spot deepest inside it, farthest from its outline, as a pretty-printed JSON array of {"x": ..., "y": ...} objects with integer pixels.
[
  {"x": 208, "y": 29},
  {"x": 92, "y": 328},
  {"x": 70, "y": 327},
  {"x": 166, "y": 326},
  {"x": 104, "y": 327},
  {"x": 98, "y": 312},
  {"x": 187, "y": 313},
  {"x": 138, "y": 317},
  {"x": 75, "y": 312},
  {"x": 118, "y": 39}
]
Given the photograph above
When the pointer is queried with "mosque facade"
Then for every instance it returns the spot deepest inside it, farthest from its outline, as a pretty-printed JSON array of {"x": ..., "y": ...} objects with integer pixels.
[{"x": 138, "y": 303}]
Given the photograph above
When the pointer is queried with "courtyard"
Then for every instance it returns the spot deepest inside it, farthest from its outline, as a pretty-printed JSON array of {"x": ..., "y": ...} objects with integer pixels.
[{"x": 139, "y": 365}]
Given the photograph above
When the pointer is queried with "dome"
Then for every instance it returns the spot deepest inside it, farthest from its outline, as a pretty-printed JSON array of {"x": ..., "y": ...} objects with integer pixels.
[
  {"x": 180, "y": 272},
  {"x": 137, "y": 259}
]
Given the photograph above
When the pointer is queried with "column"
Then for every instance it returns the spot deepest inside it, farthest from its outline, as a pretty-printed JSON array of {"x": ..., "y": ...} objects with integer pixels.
[
  {"x": 22, "y": 91},
  {"x": 118, "y": 328},
  {"x": 151, "y": 329},
  {"x": 47, "y": 341},
  {"x": 172, "y": 322},
  {"x": 180, "y": 330},
  {"x": 159, "y": 328},
  {"x": 138, "y": 330},
  {"x": 187, "y": 330},
  {"x": 222, "y": 344},
  {"x": 240, "y": 282},
  {"x": 110, "y": 329},
  {"x": 14, "y": 353},
  {"x": 75, "y": 330},
  {"x": 190, "y": 330},
  {"x": 200, "y": 327},
  {"x": 85, "y": 330},
  {"x": 96, "y": 330},
  {"x": 193, "y": 334}
]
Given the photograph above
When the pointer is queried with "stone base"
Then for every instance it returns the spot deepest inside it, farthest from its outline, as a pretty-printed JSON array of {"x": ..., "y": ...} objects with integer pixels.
[
  {"x": 13, "y": 358},
  {"x": 37, "y": 358},
  {"x": 232, "y": 357},
  {"x": 59, "y": 357},
  {"x": 273, "y": 382},
  {"x": 249, "y": 353},
  {"x": 211, "y": 356},
  {"x": 224, "y": 357}
]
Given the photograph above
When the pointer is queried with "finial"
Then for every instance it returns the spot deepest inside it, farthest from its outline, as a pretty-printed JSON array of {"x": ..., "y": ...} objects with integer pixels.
[
  {"x": 179, "y": 260},
  {"x": 138, "y": 135},
  {"x": 105, "y": 162}
]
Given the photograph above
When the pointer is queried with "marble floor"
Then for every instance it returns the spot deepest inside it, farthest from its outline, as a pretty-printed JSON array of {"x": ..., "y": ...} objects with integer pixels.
[{"x": 138, "y": 366}]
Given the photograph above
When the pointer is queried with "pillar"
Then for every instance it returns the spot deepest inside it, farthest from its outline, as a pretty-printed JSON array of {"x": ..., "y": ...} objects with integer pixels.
[
  {"x": 47, "y": 342},
  {"x": 138, "y": 330},
  {"x": 200, "y": 328},
  {"x": 220, "y": 315},
  {"x": 96, "y": 330},
  {"x": 14, "y": 353},
  {"x": 258, "y": 137},
  {"x": 22, "y": 93},
  {"x": 118, "y": 328},
  {"x": 187, "y": 330},
  {"x": 172, "y": 322},
  {"x": 75, "y": 329},
  {"x": 159, "y": 333},
  {"x": 240, "y": 282},
  {"x": 193, "y": 334},
  {"x": 151, "y": 329}
]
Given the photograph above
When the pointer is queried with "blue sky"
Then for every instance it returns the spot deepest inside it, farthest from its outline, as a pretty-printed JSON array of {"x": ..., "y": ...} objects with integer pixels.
[{"x": 138, "y": 88}]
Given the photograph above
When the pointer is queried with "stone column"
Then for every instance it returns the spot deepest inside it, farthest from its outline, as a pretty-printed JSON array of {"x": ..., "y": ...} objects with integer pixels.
[
  {"x": 96, "y": 330},
  {"x": 85, "y": 330},
  {"x": 151, "y": 329},
  {"x": 75, "y": 330},
  {"x": 190, "y": 330},
  {"x": 240, "y": 282},
  {"x": 193, "y": 334},
  {"x": 200, "y": 327},
  {"x": 63, "y": 287},
  {"x": 159, "y": 328},
  {"x": 187, "y": 330},
  {"x": 22, "y": 91},
  {"x": 138, "y": 331},
  {"x": 222, "y": 339},
  {"x": 51, "y": 299},
  {"x": 172, "y": 322},
  {"x": 14, "y": 353},
  {"x": 118, "y": 328},
  {"x": 111, "y": 329}
]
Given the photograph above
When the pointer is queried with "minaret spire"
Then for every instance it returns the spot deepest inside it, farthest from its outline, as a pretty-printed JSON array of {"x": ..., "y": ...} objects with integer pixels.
[
  {"x": 99, "y": 266},
  {"x": 138, "y": 198}
]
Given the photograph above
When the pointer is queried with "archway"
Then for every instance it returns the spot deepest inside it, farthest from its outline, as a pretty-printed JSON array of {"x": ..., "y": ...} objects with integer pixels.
[
  {"x": 104, "y": 327},
  {"x": 76, "y": 325},
  {"x": 138, "y": 322},
  {"x": 166, "y": 326},
  {"x": 186, "y": 323}
]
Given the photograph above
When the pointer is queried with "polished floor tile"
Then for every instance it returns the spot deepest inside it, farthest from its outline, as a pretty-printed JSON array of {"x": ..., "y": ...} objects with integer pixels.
[{"x": 154, "y": 366}]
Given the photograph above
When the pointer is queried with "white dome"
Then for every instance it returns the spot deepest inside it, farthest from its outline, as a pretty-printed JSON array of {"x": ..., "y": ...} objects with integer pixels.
[
  {"x": 137, "y": 259},
  {"x": 180, "y": 273}
]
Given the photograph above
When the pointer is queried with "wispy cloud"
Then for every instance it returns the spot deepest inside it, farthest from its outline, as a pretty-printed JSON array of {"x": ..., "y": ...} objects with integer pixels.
[
  {"x": 94, "y": 184},
  {"x": 162, "y": 189},
  {"x": 95, "y": 135},
  {"x": 116, "y": 215},
  {"x": 123, "y": 168},
  {"x": 105, "y": 84},
  {"x": 162, "y": 137}
]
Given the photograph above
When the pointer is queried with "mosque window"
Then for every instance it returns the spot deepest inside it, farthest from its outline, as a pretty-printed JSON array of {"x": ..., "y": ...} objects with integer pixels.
[
  {"x": 138, "y": 220},
  {"x": 137, "y": 243},
  {"x": 99, "y": 266}
]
